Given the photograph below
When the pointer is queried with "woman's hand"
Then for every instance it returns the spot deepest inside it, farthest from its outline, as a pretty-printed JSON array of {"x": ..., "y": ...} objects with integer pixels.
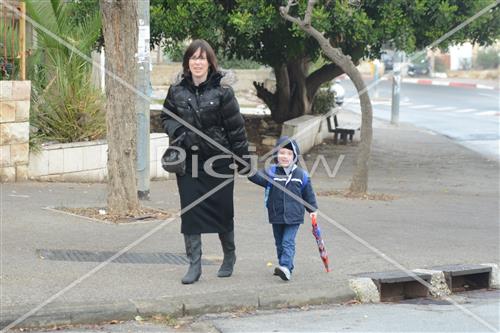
[{"x": 313, "y": 214}]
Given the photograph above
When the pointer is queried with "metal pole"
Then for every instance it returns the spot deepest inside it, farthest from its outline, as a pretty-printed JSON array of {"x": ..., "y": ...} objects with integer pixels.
[
  {"x": 396, "y": 87},
  {"x": 142, "y": 105}
]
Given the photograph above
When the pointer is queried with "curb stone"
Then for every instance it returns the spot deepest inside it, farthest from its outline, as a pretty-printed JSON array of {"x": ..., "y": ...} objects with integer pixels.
[
  {"x": 439, "y": 287},
  {"x": 67, "y": 314},
  {"x": 365, "y": 289},
  {"x": 323, "y": 295},
  {"x": 189, "y": 305}
]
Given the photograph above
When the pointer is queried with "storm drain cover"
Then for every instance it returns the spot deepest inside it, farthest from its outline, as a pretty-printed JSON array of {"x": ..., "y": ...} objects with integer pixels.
[{"x": 126, "y": 258}]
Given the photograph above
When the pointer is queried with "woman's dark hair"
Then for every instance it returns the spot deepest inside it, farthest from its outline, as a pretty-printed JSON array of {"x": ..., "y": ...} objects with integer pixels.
[{"x": 205, "y": 47}]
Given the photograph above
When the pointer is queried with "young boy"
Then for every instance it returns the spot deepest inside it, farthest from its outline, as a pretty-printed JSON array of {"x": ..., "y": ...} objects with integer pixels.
[{"x": 285, "y": 212}]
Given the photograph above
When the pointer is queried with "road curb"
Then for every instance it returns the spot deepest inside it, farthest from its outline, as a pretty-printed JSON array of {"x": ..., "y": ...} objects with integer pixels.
[
  {"x": 447, "y": 83},
  {"x": 432, "y": 82},
  {"x": 178, "y": 306},
  {"x": 368, "y": 286},
  {"x": 67, "y": 314}
]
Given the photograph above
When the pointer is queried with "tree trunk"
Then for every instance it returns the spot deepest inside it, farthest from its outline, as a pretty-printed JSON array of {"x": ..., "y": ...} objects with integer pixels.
[
  {"x": 295, "y": 90},
  {"x": 359, "y": 184},
  {"x": 120, "y": 37},
  {"x": 300, "y": 104}
]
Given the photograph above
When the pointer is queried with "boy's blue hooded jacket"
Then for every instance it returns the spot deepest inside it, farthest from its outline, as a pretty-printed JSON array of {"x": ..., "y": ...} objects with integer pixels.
[{"x": 281, "y": 207}]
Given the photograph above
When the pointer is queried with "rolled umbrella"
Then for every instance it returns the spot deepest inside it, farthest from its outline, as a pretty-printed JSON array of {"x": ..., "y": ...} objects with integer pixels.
[{"x": 321, "y": 244}]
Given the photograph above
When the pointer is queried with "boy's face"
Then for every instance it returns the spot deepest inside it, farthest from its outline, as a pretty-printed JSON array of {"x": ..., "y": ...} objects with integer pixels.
[{"x": 285, "y": 157}]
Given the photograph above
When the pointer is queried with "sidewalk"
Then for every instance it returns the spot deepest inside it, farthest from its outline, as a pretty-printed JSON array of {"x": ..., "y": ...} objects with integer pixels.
[{"x": 445, "y": 212}]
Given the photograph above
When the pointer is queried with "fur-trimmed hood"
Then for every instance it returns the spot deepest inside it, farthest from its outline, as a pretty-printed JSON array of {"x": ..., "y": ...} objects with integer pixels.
[{"x": 228, "y": 77}]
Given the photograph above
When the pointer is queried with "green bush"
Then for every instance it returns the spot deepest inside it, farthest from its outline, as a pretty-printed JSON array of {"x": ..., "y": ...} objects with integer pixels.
[
  {"x": 9, "y": 43},
  {"x": 69, "y": 108},
  {"x": 175, "y": 54},
  {"x": 238, "y": 63},
  {"x": 488, "y": 58},
  {"x": 323, "y": 101},
  {"x": 65, "y": 105}
]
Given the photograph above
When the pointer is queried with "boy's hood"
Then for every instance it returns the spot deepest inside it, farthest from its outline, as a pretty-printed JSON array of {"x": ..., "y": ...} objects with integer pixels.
[{"x": 284, "y": 141}]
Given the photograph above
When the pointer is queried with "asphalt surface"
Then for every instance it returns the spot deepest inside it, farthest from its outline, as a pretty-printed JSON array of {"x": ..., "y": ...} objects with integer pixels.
[
  {"x": 468, "y": 116},
  {"x": 478, "y": 312}
]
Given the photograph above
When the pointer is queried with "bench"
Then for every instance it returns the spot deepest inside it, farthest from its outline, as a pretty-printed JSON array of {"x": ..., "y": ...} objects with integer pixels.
[{"x": 344, "y": 133}]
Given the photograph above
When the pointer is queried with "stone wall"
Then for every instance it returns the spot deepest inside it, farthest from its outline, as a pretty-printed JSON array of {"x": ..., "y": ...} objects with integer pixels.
[{"x": 14, "y": 130}]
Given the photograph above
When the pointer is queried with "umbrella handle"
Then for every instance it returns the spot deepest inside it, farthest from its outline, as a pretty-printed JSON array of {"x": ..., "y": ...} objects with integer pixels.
[{"x": 313, "y": 220}]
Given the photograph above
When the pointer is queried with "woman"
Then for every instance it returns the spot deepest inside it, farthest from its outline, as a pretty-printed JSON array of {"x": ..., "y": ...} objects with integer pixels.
[{"x": 202, "y": 98}]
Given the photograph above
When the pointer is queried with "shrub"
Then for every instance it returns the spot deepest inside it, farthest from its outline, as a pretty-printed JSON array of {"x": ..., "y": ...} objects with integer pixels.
[
  {"x": 238, "y": 63},
  {"x": 9, "y": 46},
  {"x": 323, "y": 101},
  {"x": 488, "y": 58},
  {"x": 65, "y": 105}
]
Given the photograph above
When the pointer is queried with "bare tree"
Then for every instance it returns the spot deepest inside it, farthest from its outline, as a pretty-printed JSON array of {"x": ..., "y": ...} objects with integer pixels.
[
  {"x": 120, "y": 39},
  {"x": 359, "y": 183}
]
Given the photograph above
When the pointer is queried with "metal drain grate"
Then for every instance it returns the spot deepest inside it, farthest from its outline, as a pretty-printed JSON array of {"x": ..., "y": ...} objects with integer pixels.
[{"x": 126, "y": 258}]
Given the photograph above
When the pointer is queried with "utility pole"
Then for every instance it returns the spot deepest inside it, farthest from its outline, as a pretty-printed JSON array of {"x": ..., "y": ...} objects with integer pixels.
[
  {"x": 396, "y": 88},
  {"x": 142, "y": 105},
  {"x": 375, "y": 78}
]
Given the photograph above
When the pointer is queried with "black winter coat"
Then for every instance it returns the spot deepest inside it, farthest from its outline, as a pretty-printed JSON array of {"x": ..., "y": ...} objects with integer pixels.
[{"x": 218, "y": 115}]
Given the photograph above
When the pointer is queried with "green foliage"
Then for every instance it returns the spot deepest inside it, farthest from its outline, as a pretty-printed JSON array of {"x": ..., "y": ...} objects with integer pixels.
[
  {"x": 9, "y": 44},
  {"x": 65, "y": 105},
  {"x": 80, "y": 11},
  {"x": 238, "y": 63},
  {"x": 254, "y": 29},
  {"x": 323, "y": 102},
  {"x": 488, "y": 58},
  {"x": 176, "y": 53}
]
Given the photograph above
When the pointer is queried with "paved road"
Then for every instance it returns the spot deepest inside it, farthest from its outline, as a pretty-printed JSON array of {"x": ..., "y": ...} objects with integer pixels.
[
  {"x": 411, "y": 316},
  {"x": 468, "y": 116},
  {"x": 419, "y": 315}
]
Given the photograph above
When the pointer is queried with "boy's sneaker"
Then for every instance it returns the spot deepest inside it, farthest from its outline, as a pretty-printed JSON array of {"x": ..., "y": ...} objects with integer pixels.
[{"x": 283, "y": 273}]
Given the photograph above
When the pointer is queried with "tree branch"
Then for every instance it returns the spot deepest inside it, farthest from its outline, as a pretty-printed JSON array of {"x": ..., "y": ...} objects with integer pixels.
[
  {"x": 308, "y": 14},
  {"x": 317, "y": 78},
  {"x": 265, "y": 95},
  {"x": 285, "y": 10}
]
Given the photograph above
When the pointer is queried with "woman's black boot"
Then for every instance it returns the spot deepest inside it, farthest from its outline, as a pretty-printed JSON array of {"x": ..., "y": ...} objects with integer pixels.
[
  {"x": 193, "y": 252},
  {"x": 228, "y": 247}
]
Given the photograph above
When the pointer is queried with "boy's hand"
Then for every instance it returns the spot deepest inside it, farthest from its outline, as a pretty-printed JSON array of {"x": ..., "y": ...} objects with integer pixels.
[{"x": 313, "y": 214}]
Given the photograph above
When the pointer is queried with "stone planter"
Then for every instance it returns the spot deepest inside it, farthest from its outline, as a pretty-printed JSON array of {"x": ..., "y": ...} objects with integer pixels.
[
  {"x": 87, "y": 161},
  {"x": 14, "y": 130}
]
